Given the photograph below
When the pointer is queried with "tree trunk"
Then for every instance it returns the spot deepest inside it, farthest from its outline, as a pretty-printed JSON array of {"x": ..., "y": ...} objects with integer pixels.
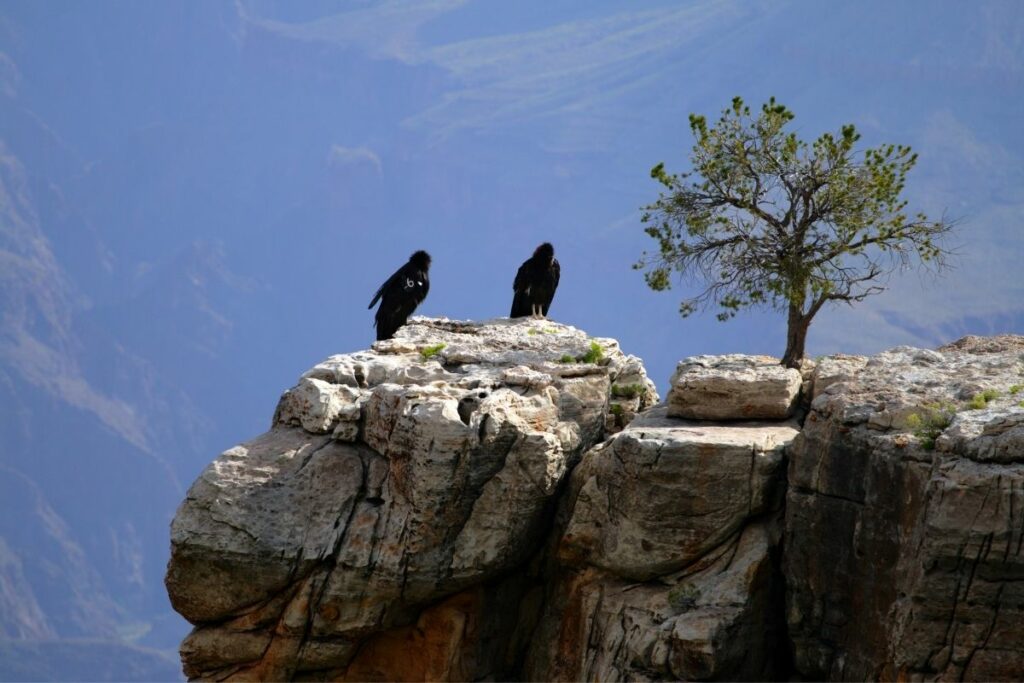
[{"x": 796, "y": 336}]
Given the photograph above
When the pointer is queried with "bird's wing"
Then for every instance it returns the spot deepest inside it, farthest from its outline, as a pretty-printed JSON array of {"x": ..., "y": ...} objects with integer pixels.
[
  {"x": 380, "y": 291},
  {"x": 395, "y": 276},
  {"x": 520, "y": 306},
  {"x": 522, "y": 277},
  {"x": 554, "y": 274}
]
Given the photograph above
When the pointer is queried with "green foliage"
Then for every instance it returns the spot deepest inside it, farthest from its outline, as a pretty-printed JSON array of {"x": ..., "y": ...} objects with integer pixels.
[
  {"x": 533, "y": 331},
  {"x": 930, "y": 421},
  {"x": 1016, "y": 389},
  {"x": 627, "y": 390},
  {"x": 1021, "y": 404},
  {"x": 432, "y": 351},
  {"x": 593, "y": 355},
  {"x": 619, "y": 414},
  {"x": 980, "y": 400},
  {"x": 683, "y": 597},
  {"x": 766, "y": 219}
]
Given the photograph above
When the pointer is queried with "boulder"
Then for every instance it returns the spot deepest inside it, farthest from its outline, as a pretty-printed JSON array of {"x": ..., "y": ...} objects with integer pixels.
[
  {"x": 733, "y": 387},
  {"x": 663, "y": 492}
]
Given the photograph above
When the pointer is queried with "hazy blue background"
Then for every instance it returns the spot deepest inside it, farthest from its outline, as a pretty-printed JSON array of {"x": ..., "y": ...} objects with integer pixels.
[{"x": 197, "y": 200}]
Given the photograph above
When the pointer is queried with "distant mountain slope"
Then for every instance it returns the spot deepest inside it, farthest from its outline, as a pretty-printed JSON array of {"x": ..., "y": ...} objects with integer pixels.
[{"x": 84, "y": 660}]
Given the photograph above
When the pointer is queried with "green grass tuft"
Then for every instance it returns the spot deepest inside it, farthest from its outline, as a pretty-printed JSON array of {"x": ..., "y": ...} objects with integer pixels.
[
  {"x": 627, "y": 390},
  {"x": 594, "y": 355},
  {"x": 1016, "y": 389},
  {"x": 981, "y": 400},
  {"x": 930, "y": 421},
  {"x": 432, "y": 351}
]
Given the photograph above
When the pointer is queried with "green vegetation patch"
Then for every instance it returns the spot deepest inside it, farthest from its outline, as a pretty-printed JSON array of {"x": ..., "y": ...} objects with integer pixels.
[
  {"x": 594, "y": 355},
  {"x": 982, "y": 399},
  {"x": 683, "y": 597},
  {"x": 432, "y": 351},
  {"x": 930, "y": 421},
  {"x": 1016, "y": 389},
  {"x": 627, "y": 390}
]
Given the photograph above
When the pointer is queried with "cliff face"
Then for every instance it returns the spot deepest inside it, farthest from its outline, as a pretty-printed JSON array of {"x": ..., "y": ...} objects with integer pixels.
[
  {"x": 905, "y": 516},
  {"x": 462, "y": 502}
]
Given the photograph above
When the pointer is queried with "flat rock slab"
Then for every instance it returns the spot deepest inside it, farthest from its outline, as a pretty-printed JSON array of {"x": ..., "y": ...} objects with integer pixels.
[
  {"x": 664, "y": 491},
  {"x": 733, "y": 387}
]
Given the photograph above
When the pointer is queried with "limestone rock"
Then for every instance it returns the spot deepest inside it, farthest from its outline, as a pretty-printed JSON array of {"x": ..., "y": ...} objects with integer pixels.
[
  {"x": 725, "y": 626},
  {"x": 669, "y": 566},
  {"x": 499, "y": 500},
  {"x": 665, "y": 491},
  {"x": 391, "y": 480},
  {"x": 903, "y": 517},
  {"x": 733, "y": 387}
]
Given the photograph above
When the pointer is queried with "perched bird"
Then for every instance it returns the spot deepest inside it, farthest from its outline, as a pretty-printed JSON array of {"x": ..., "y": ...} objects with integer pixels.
[
  {"x": 401, "y": 294},
  {"x": 535, "y": 283}
]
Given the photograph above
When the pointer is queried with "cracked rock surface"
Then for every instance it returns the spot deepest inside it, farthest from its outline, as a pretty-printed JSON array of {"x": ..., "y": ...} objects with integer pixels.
[
  {"x": 668, "y": 563},
  {"x": 905, "y": 516},
  {"x": 733, "y": 387},
  {"x": 393, "y": 485}
]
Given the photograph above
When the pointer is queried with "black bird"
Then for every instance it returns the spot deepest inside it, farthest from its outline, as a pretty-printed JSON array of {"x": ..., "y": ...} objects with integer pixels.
[
  {"x": 535, "y": 284},
  {"x": 401, "y": 294}
]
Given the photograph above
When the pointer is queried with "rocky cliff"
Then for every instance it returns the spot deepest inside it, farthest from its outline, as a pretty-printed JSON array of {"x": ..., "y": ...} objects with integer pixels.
[
  {"x": 382, "y": 527},
  {"x": 503, "y": 500}
]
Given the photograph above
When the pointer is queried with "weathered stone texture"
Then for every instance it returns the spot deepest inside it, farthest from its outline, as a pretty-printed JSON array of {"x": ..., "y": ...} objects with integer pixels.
[
  {"x": 733, "y": 387},
  {"x": 901, "y": 561},
  {"x": 391, "y": 480},
  {"x": 668, "y": 559}
]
